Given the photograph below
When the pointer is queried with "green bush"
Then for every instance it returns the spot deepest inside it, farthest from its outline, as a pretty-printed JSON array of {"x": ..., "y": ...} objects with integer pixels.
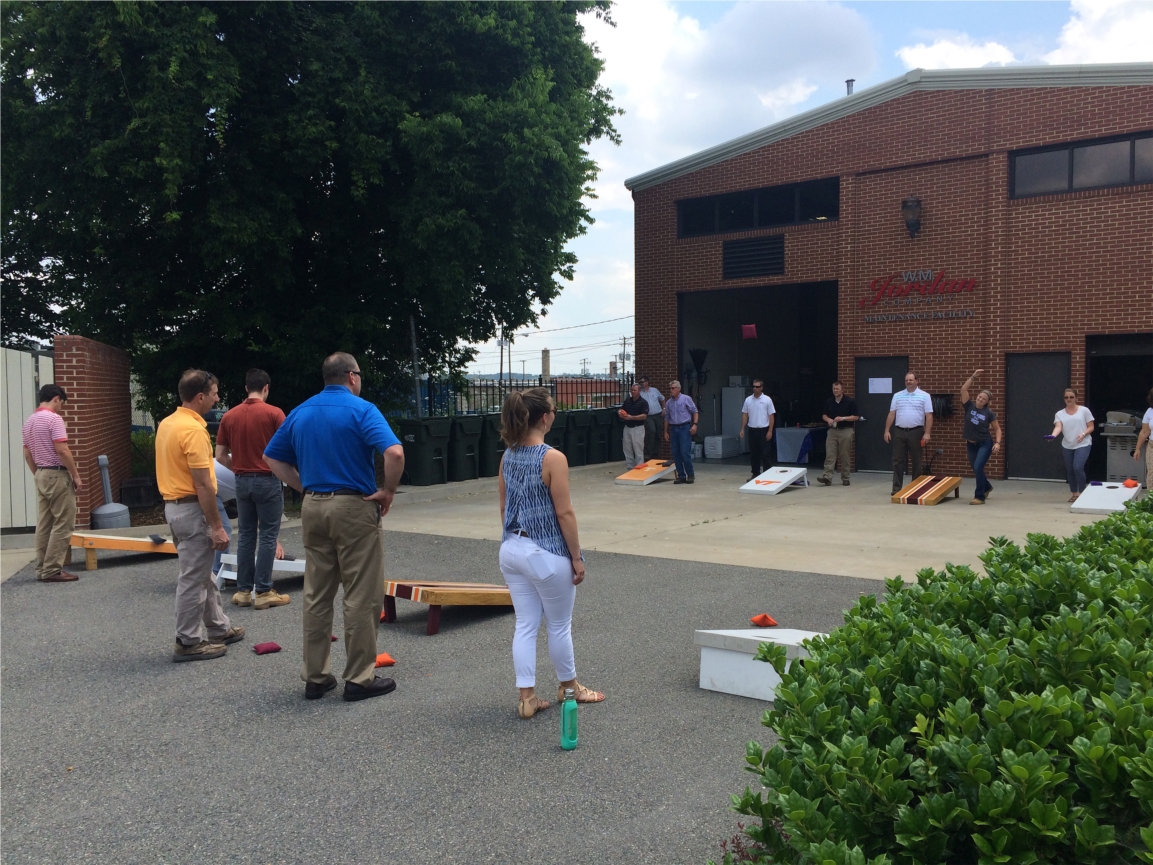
[
  {"x": 143, "y": 453},
  {"x": 1006, "y": 719}
]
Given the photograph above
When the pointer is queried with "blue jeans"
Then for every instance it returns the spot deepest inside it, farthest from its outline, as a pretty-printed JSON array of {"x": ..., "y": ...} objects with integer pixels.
[
  {"x": 682, "y": 445},
  {"x": 979, "y": 453},
  {"x": 1075, "y": 460},
  {"x": 227, "y": 530},
  {"x": 259, "y": 506}
]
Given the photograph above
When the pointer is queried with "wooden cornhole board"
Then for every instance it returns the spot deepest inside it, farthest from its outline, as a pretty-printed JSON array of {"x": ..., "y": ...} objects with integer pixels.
[
  {"x": 279, "y": 566},
  {"x": 646, "y": 473},
  {"x": 92, "y": 543},
  {"x": 1108, "y": 498},
  {"x": 437, "y": 594},
  {"x": 927, "y": 490},
  {"x": 771, "y": 482}
]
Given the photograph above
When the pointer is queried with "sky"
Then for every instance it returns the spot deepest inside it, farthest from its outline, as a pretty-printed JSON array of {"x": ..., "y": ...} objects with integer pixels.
[{"x": 690, "y": 75}]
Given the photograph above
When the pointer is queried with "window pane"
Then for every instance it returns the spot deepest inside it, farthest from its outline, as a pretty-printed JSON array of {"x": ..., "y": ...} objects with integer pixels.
[
  {"x": 735, "y": 212},
  {"x": 1041, "y": 172},
  {"x": 820, "y": 199},
  {"x": 1101, "y": 165},
  {"x": 1143, "y": 160},
  {"x": 777, "y": 206},
  {"x": 698, "y": 217}
]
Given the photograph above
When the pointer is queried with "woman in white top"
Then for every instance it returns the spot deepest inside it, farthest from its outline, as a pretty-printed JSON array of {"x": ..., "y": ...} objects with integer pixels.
[
  {"x": 1074, "y": 424},
  {"x": 1142, "y": 437}
]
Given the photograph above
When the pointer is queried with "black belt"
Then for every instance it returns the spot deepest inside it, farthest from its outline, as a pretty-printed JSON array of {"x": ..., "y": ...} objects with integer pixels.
[
  {"x": 686, "y": 423},
  {"x": 920, "y": 426},
  {"x": 253, "y": 474},
  {"x": 344, "y": 492},
  {"x": 51, "y": 469},
  {"x": 187, "y": 500}
]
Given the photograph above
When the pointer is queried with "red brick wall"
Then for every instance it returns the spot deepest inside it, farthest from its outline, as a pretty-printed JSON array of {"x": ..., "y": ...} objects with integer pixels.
[
  {"x": 98, "y": 414},
  {"x": 1049, "y": 270}
]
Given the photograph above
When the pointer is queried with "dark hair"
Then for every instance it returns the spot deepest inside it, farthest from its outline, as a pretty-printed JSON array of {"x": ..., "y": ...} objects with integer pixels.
[
  {"x": 337, "y": 366},
  {"x": 643, "y": 378},
  {"x": 838, "y": 382},
  {"x": 49, "y": 392},
  {"x": 194, "y": 381},
  {"x": 522, "y": 410},
  {"x": 256, "y": 380}
]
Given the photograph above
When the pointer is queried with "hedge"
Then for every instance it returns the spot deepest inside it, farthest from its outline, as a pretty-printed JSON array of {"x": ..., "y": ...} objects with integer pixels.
[{"x": 969, "y": 719}]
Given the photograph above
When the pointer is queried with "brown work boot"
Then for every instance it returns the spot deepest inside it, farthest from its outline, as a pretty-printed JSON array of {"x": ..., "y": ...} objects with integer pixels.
[
  {"x": 235, "y": 634},
  {"x": 242, "y": 599},
  {"x": 271, "y": 598},
  {"x": 202, "y": 651},
  {"x": 61, "y": 576}
]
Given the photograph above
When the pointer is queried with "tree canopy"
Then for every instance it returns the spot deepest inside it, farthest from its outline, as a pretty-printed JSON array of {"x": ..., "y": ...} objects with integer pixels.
[{"x": 228, "y": 185}]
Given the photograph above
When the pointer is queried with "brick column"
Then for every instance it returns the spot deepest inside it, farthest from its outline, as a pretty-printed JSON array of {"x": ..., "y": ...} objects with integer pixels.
[{"x": 98, "y": 414}]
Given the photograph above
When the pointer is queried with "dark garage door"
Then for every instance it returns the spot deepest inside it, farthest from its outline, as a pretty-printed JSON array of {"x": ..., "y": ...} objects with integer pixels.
[
  {"x": 1033, "y": 387},
  {"x": 888, "y": 376}
]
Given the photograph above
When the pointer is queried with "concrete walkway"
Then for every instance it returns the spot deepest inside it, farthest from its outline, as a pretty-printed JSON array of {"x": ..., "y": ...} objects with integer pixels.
[{"x": 849, "y": 531}]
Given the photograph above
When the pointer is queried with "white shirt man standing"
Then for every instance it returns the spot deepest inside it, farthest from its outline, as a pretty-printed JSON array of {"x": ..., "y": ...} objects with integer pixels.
[
  {"x": 760, "y": 415},
  {"x": 911, "y": 413}
]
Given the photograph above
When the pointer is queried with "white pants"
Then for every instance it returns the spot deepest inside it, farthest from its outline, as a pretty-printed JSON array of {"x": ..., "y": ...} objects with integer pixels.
[
  {"x": 539, "y": 582},
  {"x": 634, "y": 442}
]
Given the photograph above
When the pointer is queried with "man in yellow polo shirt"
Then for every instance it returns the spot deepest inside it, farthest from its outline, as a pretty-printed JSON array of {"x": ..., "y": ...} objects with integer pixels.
[{"x": 187, "y": 482}]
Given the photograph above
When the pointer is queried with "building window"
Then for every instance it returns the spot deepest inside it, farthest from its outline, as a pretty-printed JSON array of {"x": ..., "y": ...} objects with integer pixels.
[
  {"x": 792, "y": 203},
  {"x": 758, "y": 256},
  {"x": 1084, "y": 165}
]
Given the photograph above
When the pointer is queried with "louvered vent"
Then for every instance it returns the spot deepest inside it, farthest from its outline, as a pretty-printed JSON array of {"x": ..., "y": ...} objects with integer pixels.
[{"x": 760, "y": 256}]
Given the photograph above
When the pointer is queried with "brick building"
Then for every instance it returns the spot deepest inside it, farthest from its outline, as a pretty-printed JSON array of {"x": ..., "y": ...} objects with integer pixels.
[{"x": 1032, "y": 259}]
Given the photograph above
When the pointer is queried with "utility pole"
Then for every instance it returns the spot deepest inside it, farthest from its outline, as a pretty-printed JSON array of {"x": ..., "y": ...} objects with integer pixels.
[
  {"x": 415, "y": 367},
  {"x": 522, "y": 372}
]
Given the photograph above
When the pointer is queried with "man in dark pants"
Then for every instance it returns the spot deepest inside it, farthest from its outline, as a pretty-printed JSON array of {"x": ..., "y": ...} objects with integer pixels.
[
  {"x": 652, "y": 422},
  {"x": 325, "y": 449},
  {"x": 760, "y": 415},
  {"x": 908, "y": 426}
]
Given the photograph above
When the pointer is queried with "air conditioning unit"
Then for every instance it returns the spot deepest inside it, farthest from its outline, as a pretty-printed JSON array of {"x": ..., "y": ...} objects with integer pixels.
[
  {"x": 740, "y": 381},
  {"x": 721, "y": 447}
]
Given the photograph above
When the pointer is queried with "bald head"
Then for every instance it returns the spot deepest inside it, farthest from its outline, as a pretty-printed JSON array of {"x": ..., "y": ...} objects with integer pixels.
[{"x": 337, "y": 366}]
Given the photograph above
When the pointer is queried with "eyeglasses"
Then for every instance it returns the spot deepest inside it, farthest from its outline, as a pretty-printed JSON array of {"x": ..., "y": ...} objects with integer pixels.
[
  {"x": 1070, "y": 397},
  {"x": 758, "y": 387},
  {"x": 356, "y": 373}
]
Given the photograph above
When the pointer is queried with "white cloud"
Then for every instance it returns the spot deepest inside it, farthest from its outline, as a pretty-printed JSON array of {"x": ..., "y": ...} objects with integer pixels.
[
  {"x": 956, "y": 51},
  {"x": 1106, "y": 31}
]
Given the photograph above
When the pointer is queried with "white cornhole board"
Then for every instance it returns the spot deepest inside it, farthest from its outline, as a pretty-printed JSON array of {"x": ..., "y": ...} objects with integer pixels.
[
  {"x": 774, "y": 480},
  {"x": 728, "y": 665},
  {"x": 1106, "y": 499},
  {"x": 646, "y": 473},
  {"x": 228, "y": 568}
]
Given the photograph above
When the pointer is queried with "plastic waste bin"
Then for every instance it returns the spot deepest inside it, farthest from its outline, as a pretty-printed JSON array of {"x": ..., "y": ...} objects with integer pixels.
[
  {"x": 491, "y": 446},
  {"x": 599, "y": 435},
  {"x": 616, "y": 437},
  {"x": 464, "y": 447},
  {"x": 576, "y": 437},
  {"x": 425, "y": 442},
  {"x": 555, "y": 436}
]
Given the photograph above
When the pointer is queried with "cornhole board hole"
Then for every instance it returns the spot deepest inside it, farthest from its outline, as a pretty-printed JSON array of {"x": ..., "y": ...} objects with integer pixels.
[
  {"x": 646, "y": 473},
  {"x": 437, "y": 594},
  {"x": 771, "y": 482},
  {"x": 728, "y": 665},
  {"x": 927, "y": 490},
  {"x": 279, "y": 566},
  {"x": 1105, "y": 499},
  {"x": 91, "y": 543}
]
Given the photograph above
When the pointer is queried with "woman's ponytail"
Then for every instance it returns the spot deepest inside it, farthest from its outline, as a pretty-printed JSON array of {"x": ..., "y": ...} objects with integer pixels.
[{"x": 521, "y": 411}]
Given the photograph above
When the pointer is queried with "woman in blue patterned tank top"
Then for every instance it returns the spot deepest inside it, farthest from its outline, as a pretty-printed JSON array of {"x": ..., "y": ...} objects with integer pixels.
[{"x": 540, "y": 556}]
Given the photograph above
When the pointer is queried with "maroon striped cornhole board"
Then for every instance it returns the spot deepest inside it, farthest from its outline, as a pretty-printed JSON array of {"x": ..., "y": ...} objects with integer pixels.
[{"x": 927, "y": 490}]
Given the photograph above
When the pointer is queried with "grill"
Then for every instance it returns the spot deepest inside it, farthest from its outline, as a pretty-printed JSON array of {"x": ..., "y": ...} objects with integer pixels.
[{"x": 759, "y": 256}]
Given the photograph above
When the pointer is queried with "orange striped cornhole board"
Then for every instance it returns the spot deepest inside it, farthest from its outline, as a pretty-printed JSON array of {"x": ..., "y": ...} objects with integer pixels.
[
  {"x": 436, "y": 594},
  {"x": 927, "y": 490}
]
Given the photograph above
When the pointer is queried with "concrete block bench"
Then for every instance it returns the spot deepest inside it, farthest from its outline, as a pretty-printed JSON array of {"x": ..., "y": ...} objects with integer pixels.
[{"x": 728, "y": 665}]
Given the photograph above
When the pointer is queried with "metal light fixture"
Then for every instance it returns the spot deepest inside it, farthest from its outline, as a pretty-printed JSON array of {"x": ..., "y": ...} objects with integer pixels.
[{"x": 911, "y": 212}]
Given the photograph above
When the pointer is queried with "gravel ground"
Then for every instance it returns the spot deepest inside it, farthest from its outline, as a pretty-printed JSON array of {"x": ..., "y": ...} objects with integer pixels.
[{"x": 112, "y": 753}]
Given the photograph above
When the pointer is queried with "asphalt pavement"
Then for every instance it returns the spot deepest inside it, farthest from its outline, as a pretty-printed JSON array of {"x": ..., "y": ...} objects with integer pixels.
[{"x": 112, "y": 753}]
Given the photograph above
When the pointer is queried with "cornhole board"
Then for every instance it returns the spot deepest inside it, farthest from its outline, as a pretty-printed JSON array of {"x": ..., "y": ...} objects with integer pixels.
[
  {"x": 282, "y": 566},
  {"x": 728, "y": 660},
  {"x": 1105, "y": 499},
  {"x": 646, "y": 473},
  {"x": 91, "y": 543},
  {"x": 437, "y": 594},
  {"x": 927, "y": 490},
  {"x": 771, "y": 482}
]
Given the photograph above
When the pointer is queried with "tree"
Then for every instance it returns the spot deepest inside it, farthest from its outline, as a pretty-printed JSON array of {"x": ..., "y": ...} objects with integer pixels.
[{"x": 227, "y": 185}]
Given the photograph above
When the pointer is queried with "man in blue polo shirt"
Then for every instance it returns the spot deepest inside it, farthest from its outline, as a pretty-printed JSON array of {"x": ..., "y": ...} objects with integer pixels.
[{"x": 325, "y": 449}]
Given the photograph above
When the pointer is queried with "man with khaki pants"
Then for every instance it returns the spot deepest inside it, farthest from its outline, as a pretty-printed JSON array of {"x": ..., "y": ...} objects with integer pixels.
[
  {"x": 50, "y": 460},
  {"x": 325, "y": 449},
  {"x": 841, "y": 416}
]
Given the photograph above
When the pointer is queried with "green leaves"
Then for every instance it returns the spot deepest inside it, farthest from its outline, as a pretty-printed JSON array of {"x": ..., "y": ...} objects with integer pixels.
[{"x": 999, "y": 719}]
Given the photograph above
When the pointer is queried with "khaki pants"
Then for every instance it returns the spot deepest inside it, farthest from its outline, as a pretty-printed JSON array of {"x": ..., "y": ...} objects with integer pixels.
[
  {"x": 1148, "y": 466},
  {"x": 634, "y": 444},
  {"x": 198, "y": 606},
  {"x": 838, "y": 445},
  {"x": 343, "y": 545},
  {"x": 55, "y": 520},
  {"x": 906, "y": 442}
]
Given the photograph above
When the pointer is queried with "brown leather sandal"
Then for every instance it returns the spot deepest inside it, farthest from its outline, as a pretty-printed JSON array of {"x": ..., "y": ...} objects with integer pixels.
[
  {"x": 583, "y": 694},
  {"x": 528, "y": 708}
]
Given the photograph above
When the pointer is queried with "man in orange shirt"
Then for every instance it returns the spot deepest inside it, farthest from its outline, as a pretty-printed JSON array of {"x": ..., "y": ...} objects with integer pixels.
[
  {"x": 240, "y": 442},
  {"x": 187, "y": 482}
]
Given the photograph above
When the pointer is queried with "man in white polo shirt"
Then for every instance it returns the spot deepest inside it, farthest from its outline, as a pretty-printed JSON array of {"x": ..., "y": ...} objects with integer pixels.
[
  {"x": 760, "y": 415},
  {"x": 908, "y": 426}
]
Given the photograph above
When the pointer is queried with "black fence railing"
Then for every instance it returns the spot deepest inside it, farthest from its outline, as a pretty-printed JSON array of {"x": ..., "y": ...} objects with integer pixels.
[{"x": 487, "y": 395}]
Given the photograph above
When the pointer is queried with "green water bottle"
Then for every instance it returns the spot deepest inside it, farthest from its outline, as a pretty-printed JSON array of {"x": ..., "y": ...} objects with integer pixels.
[{"x": 568, "y": 720}]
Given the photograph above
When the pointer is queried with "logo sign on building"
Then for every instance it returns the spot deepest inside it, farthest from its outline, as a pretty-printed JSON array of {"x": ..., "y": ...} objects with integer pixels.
[{"x": 922, "y": 283}]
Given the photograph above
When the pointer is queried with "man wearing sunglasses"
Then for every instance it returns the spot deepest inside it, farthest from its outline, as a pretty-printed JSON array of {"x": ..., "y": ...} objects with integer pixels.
[{"x": 760, "y": 415}]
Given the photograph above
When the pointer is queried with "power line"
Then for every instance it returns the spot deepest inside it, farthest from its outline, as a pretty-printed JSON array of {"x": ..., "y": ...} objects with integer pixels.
[{"x": 575, "y": 326}]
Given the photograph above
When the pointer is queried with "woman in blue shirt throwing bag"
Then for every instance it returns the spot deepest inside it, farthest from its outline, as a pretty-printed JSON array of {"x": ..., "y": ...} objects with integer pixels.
[
  {"x": 978, "y": 422},
  {"x": 540, "y": 556}
]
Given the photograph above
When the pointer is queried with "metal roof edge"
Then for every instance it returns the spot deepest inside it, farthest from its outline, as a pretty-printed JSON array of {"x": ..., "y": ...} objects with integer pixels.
[{"x": 1087, "y": 75}]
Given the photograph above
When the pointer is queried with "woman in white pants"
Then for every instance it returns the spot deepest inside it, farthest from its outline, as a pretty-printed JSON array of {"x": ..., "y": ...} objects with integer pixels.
[{"x": 540, "y": 556}]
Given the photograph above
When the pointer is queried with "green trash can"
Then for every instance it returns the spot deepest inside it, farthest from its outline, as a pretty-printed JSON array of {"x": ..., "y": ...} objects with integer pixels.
[
  {"x": 491, "y": 446},
  {"x": 617, "y": 437},
  {"x": 599, "y": 435},
  {"x": 425, "y": 442},
  {"x": 464, "y": 447},
  {"x": 555, "y": 436},
  {"x": 576, "y": 437}
]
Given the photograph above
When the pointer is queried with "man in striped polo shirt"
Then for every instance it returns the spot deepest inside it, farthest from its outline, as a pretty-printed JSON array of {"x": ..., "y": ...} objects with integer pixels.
[{"x": 57, "y": 480}]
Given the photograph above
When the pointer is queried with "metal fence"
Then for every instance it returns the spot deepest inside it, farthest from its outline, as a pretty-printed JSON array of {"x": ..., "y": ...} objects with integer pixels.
[{"x": 487, "y": 395}]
